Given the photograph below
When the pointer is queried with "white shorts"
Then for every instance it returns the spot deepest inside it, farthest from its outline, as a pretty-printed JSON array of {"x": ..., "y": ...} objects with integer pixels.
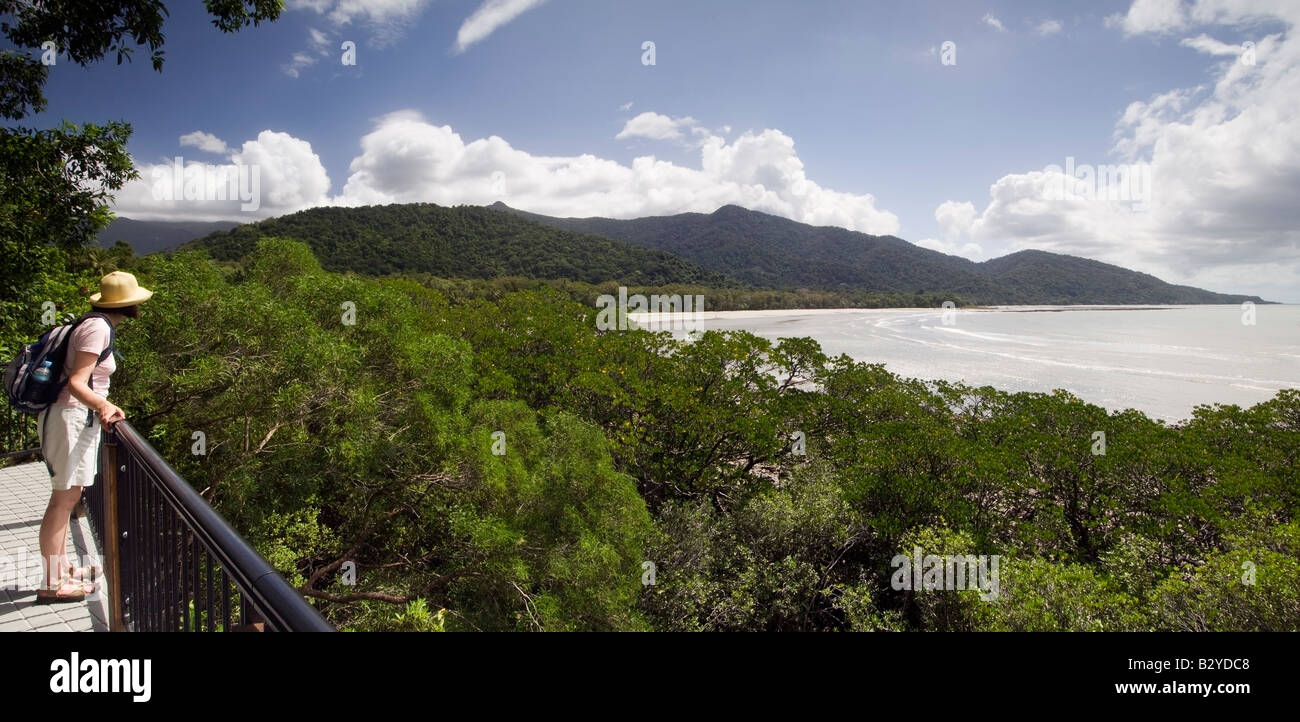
[{"x": 70, "y": 447}]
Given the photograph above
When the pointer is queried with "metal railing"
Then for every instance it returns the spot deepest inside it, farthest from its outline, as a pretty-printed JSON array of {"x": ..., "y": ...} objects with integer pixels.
[
  {"x": 17, "y": 434},
  {"x": 172, "y": 563}
]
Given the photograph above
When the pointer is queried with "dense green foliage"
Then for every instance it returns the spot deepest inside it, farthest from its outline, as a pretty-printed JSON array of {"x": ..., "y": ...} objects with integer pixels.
[
  {"x": 330, "y": 442},
  {"x": 460, "y": 242},
  {"x": 374, "y": 443},
  {"x": 769, "y": 251},
  {"x": 55, "y": 183},
  {"x": 49, "y": 211}
]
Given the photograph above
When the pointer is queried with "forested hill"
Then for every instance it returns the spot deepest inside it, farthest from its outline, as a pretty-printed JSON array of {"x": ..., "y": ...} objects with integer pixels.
[
  {"x": 728, "y": 247},
  {"x": 1041, "y": 274},
  {"x": 457, "y": 242},
  {"x": 767, "y": 250}
]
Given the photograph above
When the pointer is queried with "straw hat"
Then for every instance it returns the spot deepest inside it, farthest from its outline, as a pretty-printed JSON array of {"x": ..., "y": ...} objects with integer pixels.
[{"x": 118, "y": 290}]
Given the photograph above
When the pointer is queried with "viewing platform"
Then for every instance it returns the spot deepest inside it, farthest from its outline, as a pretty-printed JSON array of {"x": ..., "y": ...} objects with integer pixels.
[
  {"x": 24, "y": 492},
  {"x": 170, "y": 562}
]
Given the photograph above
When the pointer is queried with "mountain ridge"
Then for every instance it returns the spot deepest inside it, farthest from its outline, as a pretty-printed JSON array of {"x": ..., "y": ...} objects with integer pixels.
[
  {"x": 775, "y": 251},
  {"x": 730, "y": 247}
]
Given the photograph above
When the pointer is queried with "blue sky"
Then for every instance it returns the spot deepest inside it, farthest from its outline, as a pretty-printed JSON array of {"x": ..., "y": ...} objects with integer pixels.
[{"x": 837, "y": 113}]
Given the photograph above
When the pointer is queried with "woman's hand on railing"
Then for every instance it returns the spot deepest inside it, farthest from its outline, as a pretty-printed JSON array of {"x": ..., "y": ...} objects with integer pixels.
[{"x": 110, "y": 414}]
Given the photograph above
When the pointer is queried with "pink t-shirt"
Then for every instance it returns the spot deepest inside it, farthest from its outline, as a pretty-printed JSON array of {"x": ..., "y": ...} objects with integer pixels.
[{"x": 91, "y": 336}]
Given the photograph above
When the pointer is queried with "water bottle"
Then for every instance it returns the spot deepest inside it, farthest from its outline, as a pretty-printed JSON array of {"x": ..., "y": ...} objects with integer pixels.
[{"x": 42, "y": 374}]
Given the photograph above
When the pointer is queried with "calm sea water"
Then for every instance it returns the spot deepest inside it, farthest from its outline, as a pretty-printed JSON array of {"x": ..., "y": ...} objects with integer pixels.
[{"x": 1162, "y": 360}]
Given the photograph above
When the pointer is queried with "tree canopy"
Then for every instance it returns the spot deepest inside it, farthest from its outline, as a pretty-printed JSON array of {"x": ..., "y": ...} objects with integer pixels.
[{"x": 499, "y": 462}]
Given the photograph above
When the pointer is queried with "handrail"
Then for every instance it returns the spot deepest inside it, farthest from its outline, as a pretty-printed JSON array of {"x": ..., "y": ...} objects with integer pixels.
[
  {"x": 17, "y": 434},
  {"x": 164, "y": 522}
]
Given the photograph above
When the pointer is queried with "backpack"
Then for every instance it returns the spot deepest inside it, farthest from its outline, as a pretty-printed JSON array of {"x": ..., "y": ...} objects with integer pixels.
[{"x": 25, "y": 392}]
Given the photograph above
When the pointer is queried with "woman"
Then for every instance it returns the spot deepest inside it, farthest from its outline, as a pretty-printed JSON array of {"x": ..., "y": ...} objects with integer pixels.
[{"x": 69, "y": 431}]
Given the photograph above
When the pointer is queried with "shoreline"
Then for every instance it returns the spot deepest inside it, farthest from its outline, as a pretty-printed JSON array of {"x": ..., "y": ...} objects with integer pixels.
[
  {"x": 1117, "y": 365},
  {"x": 707, "y": 315}
]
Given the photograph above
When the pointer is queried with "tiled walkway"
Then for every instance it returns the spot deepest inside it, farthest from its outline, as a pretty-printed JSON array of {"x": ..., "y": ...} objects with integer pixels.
[{"x": 24, "y": 492}]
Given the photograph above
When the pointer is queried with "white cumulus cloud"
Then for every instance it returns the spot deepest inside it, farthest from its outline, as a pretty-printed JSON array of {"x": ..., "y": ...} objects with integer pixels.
[
  {"x": 407, "y": 159},
  {"x": 269, "y": 176},
  {"x": 993, "y": 22},
  {"x": 955, "y": 221},
  {"x": 205, "y": 142},
  {"x": 657, "y": 127}
]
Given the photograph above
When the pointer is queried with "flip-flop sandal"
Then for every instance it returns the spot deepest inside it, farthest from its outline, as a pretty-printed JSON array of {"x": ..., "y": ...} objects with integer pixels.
[{"x": 82, "y": 589}]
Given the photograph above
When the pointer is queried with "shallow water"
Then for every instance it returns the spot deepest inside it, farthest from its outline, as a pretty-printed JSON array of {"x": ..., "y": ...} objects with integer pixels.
[{"x": 1162, "y": 360}]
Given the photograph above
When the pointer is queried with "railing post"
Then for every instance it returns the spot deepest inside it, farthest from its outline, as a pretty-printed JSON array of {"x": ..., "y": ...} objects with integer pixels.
[{"x": 112, "y": 534}]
